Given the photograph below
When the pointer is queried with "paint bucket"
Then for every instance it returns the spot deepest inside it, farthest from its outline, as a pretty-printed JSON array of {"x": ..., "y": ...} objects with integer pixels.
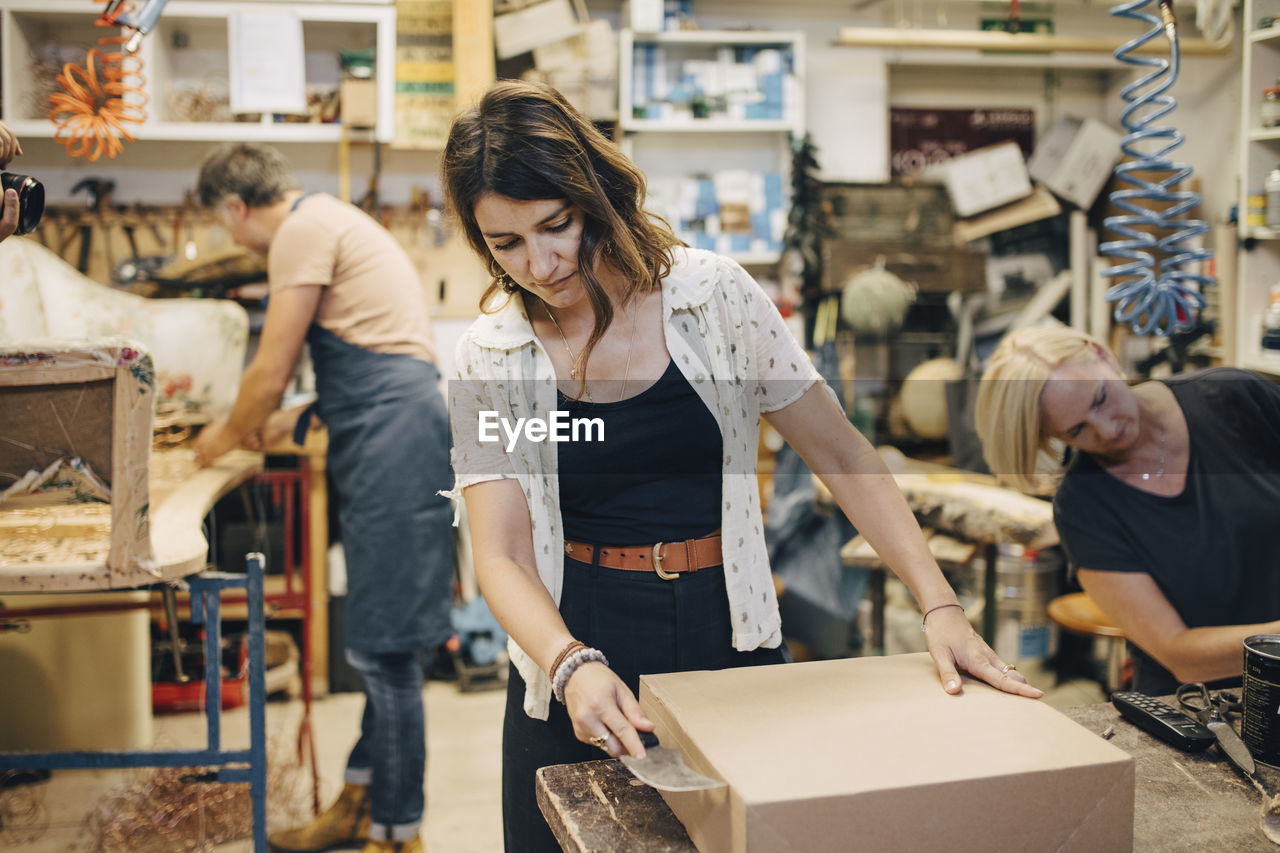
[
  {"x": 1027, "y": 581},
  {"x": 1260, "y": 722}
]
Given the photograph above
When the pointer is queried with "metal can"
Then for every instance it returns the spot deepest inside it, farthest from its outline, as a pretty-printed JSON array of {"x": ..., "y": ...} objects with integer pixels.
[
  {"x": 1256, "y": 210},
  {"x": 1272, "y": 189},
  {"x": 1259, "y": 724}
]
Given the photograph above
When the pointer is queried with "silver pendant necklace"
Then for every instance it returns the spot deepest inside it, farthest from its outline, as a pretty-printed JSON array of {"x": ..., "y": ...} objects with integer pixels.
[{"x": 1159, "y": 472}]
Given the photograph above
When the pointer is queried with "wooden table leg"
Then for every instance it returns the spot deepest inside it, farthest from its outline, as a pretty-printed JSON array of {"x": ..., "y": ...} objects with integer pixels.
[
  {"x": 875, "y": 587},
  {"x": 989, "y": 580},
  {"x": 318, "y": 535}
]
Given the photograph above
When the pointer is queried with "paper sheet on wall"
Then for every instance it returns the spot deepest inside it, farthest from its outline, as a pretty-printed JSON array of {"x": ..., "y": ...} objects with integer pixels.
[
  {"x": 424, "y": 102},
  {"x": 850, "y": 122},
  {"x": 267, "y": 65}
]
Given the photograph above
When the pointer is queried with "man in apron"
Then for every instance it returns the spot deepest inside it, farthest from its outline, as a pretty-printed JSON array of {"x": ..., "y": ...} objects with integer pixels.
[{"x": 339, "y": 281}]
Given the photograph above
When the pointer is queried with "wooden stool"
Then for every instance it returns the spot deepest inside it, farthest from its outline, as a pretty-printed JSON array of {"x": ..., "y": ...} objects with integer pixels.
[{"x": 1077, "y": 613}]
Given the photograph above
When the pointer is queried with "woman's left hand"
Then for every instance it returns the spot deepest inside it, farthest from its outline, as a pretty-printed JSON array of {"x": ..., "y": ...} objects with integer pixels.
[{"x": 954, "y": 644}]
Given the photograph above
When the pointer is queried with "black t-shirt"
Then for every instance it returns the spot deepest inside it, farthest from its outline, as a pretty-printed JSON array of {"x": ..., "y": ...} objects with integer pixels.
[
  {"x": 1214, "y": 550},
  {"x": 656, "y": 477}
]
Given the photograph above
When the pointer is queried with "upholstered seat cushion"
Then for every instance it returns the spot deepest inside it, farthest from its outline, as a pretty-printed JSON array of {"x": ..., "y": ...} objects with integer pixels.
[{"x": 198, "y": 345}]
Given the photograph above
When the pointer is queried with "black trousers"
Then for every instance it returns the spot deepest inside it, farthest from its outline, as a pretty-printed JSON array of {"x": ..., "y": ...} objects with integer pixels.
[{"x": 644, "y": 625}]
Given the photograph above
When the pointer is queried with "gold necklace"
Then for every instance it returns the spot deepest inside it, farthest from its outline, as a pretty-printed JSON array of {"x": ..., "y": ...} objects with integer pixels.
[{"x": 573, "y": 358}]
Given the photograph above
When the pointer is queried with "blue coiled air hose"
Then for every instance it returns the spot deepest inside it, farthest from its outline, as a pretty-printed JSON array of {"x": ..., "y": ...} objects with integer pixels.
[{"x": 1169, "y": 302}]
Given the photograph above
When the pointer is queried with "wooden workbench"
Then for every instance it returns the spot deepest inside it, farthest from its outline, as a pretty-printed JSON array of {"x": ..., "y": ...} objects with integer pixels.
[
  {"x": 1182, "y": 802},
  {"x": 65, "y": 548}
]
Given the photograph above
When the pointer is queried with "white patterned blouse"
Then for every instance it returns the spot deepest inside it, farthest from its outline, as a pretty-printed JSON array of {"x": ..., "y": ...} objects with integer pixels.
[{"x": 727, "y": 339}]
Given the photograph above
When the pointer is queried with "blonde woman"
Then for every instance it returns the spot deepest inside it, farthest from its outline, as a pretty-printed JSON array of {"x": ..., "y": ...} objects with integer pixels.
[{"x": 1169, "y": 502}]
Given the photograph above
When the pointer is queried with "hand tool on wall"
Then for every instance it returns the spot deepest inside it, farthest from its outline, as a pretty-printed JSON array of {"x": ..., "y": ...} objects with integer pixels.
[{"x": 99, "y": 198}]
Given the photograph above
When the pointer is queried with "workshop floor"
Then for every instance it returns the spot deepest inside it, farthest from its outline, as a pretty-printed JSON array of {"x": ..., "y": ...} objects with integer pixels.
[{"x": 463, "y": 810}]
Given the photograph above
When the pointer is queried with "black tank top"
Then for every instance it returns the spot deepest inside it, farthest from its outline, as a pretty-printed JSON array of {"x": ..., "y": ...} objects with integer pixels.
[{"x": 656, "y": 476}]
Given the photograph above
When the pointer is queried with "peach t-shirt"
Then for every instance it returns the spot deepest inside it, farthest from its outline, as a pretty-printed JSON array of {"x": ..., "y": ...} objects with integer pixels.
[{"x": 373, "y": 298}]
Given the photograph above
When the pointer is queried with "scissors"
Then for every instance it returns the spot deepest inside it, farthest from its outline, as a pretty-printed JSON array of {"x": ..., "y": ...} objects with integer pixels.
[{"x": 1214, "y": 712}]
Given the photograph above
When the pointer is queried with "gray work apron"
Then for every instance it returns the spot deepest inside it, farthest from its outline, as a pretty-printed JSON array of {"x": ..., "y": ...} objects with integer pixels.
[{"x": 388, "y": 456}]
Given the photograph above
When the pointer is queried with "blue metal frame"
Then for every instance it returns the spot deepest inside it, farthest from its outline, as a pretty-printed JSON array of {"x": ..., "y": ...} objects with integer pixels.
[{"x": 250, "y": 764}]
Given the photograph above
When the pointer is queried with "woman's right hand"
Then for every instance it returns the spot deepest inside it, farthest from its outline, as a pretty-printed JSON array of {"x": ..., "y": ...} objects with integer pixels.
[
  {"x": 599, "y": 704},
  {"x": 9, "y": 145}
]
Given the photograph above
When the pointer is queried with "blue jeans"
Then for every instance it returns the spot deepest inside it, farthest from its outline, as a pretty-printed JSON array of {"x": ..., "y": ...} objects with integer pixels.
[{"x": 391, "y": 755}]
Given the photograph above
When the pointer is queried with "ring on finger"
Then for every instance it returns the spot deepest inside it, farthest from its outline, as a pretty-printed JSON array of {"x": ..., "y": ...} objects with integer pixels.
[
  {"x": 1007, "y": 667},
  {"x": 600, "y": 741}
]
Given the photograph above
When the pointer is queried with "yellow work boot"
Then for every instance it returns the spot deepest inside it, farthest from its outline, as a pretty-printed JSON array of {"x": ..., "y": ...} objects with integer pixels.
[
  {"x": 343, "y": 823},
  {"x": 413, "y": 845}
]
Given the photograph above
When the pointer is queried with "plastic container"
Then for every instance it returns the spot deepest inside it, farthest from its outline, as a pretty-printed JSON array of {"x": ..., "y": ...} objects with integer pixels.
[
  {"x": 1269, "y": 108},
  {"x": 1271, "y": 322}
]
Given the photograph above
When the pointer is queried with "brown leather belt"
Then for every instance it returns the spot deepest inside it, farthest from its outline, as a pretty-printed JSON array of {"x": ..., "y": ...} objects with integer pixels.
[{"x": 667, "y": 559}]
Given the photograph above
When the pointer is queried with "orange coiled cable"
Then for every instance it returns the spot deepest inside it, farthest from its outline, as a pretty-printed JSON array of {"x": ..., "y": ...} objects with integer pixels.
[{"x": 99, "y": 101}]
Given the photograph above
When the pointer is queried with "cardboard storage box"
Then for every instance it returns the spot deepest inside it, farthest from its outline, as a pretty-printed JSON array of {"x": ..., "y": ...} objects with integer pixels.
[
  {"x": 871, "y": 754},
  {"x": 1075, "y": 158},
  {"x": 359, "y": 102},
  {"x": 985, "y": 178}
]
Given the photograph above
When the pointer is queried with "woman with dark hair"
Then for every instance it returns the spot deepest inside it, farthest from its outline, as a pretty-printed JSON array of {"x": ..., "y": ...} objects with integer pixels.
[{"x": 606, "y": 414}]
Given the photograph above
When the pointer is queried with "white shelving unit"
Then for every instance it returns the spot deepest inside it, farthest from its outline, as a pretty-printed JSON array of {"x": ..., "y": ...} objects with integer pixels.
[
  {"x": 740, "y": 131},
  {"x": 187, "y": 54},
  {"x": 1258, "y": 265}
]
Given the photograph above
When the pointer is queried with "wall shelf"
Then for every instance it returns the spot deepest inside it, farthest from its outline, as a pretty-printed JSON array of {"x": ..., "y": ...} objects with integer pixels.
[
  {"x": 185, "y": 59},
  {"x": 695, "y": 125},
  {"x": 891, "y": 37},
  {"x": 722, "y": 180},
  {"x": 1258, "y": 260}
]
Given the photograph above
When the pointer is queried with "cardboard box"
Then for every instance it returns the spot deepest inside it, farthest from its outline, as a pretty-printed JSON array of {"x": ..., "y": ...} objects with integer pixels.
[
  {"x": 1039, "y": 205},
  {"x": 1075, "y": 158},
  {"x": 985, "y": 178},
  {"x": 359, "y": 102},
  {"x": 871, "y": 754},
  {"x": 533, "y": 26}
]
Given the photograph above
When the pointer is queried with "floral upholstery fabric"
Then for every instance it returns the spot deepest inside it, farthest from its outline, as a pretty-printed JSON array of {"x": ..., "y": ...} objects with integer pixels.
[{"x": 198, "y": 345}]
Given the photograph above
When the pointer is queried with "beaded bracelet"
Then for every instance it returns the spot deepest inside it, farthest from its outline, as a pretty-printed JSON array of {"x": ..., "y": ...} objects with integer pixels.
[
  {"x": 570, "y": 665},
  {"x": 938, "y": 607}
]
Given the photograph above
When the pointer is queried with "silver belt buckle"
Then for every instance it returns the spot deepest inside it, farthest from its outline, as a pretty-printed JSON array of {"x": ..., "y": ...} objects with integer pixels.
[{"x": 657, "y": 564}]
